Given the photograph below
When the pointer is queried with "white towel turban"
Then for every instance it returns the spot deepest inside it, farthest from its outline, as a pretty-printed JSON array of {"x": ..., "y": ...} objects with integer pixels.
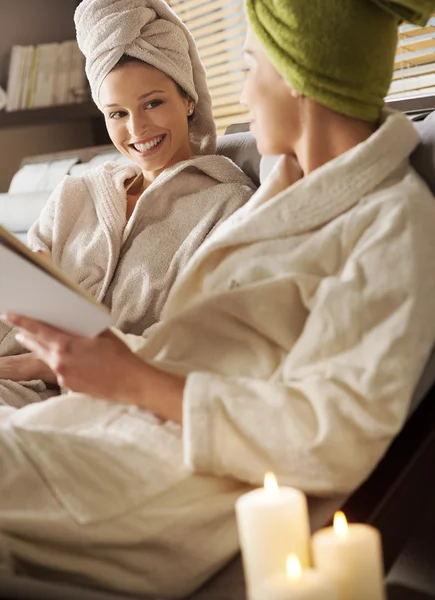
[{"x": 150, "y": 31}]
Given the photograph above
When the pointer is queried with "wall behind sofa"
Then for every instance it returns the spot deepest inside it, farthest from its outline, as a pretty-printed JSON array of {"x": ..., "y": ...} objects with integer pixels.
[{"x": 35, "y": 22}]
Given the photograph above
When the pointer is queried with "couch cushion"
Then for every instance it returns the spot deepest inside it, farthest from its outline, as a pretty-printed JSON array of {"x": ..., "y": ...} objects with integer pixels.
[
  {"x": 423, "y": 159},
  {"x": 41, "y": 176},
  {"x": 241, "y": 148},
  {"x": 19, "y": 211}
]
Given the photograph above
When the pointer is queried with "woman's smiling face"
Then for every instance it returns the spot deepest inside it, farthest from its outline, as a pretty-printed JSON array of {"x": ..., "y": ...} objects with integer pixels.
[{"x": 146, "y": 116}]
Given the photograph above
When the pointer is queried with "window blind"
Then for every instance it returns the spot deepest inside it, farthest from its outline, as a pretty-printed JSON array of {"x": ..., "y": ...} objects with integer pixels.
[
  {"x": 414, "y": 66},
  {"x": 219, "y": 29}
]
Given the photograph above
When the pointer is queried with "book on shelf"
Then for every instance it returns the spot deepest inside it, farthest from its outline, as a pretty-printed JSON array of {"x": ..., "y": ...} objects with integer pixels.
[
  {"x": 30, "y": 84},
  {"x": 28, "y": 55},
  {"x": 61, "y": 93},
  {"x": 34, "y": 287},
  {"x": 78, "y": 76},
  {"x": 46, "y": 75},
  {"x": 14, "y": 78}
]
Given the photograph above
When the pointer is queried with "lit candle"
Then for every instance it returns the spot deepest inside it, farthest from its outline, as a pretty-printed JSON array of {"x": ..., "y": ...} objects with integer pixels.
[
  {"x": 273, "y": 523},
  {"x": 297, "y": 584},
  {"x": 351, "y": 555}
]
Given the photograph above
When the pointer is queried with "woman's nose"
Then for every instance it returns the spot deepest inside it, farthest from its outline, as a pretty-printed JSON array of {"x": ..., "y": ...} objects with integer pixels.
[{"x": 137, "y": 126}]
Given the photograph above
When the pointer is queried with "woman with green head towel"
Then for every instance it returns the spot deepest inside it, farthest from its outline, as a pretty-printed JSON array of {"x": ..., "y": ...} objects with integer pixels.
[{"x": 292, "y": 341}]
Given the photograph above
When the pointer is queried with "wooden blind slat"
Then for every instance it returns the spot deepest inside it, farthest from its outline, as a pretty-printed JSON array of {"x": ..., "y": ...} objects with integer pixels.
[
  {"x": 415, "y": 45},
  {"x": 420, "y": 59},
  {"x": 231, "y": 109},
  {"x": 223, "y": 25},
  {"x": 214, "y": 17},
  {"x": 219, "y": 29},
  {"x": 413, "y": 71},
  {"x": 183, "y": 7},
  {"x": 231, "y": 88},
  {"x": 238, "y": 65},
  {"x": 419, "y": 92},
  {"x": 223, "y": 80},
  {"x": 227, "y": 100},
  {"x": 214, "y": 10},
  {"x": 413, "y": 83},
  {"x": 409, "y": 33},
  {"x": 224, "y": 58},
  {"x": 219, "y": 49},
  {"x": 210, "y": 41},
  {"x": 224, "y": 122}
]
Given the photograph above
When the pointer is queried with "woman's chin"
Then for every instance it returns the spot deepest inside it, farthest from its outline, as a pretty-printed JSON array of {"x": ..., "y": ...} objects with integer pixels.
[
  {"x": 263, "y": 147},
  {"x": 266, "y": 147},
  {"x": 152, "y": 163}
]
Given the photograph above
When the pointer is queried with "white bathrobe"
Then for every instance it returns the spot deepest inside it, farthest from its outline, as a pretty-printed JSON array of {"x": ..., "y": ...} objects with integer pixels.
[
  {"x": 130, "y": 267},
  {"x": 303, "y": 325}
]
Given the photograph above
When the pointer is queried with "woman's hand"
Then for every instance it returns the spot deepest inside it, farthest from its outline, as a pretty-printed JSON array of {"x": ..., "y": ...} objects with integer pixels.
[
  {"x": 102, "y": 367},
  {"x": 25, "y": 367}
]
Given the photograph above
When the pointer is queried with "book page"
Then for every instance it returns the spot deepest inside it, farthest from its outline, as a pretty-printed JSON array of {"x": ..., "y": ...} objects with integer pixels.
[
  {"x": 8, "y": 240},
  {"x": 31, "y": 292},
  {"x": 34, "y": 287}
]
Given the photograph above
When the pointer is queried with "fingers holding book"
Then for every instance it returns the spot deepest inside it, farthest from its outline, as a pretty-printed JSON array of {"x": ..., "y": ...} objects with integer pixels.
[{"x": 100, "y": 366}]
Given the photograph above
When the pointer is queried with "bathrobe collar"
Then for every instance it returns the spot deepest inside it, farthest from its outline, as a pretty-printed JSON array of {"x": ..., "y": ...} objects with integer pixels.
[{"x": 325, "y": 193}]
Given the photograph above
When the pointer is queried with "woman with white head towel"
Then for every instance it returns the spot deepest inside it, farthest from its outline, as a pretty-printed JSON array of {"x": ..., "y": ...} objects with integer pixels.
[{"x": 124, "y": 231}]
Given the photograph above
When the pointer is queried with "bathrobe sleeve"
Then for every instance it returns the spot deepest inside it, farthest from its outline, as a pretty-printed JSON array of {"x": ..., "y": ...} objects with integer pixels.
[{"x": 343, "y": 392}]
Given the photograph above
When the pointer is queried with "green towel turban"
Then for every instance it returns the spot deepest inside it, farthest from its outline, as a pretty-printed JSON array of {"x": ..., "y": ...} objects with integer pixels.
[{"x": 339, "y": 53}]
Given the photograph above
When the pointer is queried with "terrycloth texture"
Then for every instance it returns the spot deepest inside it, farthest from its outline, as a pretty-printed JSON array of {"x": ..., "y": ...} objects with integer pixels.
[
  {"x": 97, "y": 493},
  {"x": 304, "y": 322},
  {"x": 18, "y": 393},
  {"x": 150, "y": 31},
  {"x": 339, "y": 53},
  {"x": 130, "y": 267},
  {"x": 313, "y": 316}
]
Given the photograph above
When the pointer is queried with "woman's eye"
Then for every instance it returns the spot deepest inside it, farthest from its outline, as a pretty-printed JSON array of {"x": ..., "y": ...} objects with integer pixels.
[
  {"x": 117, "y": 114},
  {"x": 154, "y": 104}
]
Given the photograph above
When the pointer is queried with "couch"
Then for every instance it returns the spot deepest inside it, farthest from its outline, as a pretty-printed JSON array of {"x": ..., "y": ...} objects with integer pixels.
[{"x": 392, "y": 497}]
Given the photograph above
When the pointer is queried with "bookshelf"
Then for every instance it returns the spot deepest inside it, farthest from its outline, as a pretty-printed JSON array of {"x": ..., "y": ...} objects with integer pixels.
[
  {"x": 45, "y": 130},
  {"x": 46, "y": 22},
  {"x": 49, "y": 115}
]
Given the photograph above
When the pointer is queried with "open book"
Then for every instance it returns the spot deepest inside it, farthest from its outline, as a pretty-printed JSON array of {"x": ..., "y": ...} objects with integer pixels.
[{"x": 30, "y": 285}]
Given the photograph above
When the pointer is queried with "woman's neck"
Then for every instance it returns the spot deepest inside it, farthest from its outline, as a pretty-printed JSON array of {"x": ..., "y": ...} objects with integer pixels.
[
  {"x": 326, "y": 135},
  {"x": 182, "y": 154},
  {"x": 134, "y": 189}
]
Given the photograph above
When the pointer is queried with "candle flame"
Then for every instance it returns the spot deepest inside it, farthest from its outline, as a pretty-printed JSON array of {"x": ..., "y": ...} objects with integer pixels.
[
  {"x": 340, "y": 524},
  {"x": 294, "y": 569},
  {"x": 270, "y": 483}
]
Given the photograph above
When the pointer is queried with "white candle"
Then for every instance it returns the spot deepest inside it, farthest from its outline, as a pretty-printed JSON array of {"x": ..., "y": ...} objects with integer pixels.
[
  {"x": 351, "y": 555},
  {"x": 273, "y": 523},
  {"x": 297, "y": 584}
]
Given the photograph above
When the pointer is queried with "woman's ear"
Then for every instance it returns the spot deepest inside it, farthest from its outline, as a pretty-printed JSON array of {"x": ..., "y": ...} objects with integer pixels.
[{"x": 293, "y": 92}]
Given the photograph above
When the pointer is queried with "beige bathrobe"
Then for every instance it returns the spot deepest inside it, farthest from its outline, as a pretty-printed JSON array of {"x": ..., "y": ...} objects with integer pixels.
[
  {"x": 130, "y": 267},
  {"x": 303, "y": 325}
]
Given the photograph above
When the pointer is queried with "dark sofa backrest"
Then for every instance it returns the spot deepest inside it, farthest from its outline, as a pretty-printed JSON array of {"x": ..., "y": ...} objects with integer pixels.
[{"x": 242, "y": 149}]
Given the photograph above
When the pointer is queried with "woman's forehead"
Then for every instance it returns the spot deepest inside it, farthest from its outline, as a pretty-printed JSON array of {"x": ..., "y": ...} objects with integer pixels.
[{"x": 134, "y": 79}]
